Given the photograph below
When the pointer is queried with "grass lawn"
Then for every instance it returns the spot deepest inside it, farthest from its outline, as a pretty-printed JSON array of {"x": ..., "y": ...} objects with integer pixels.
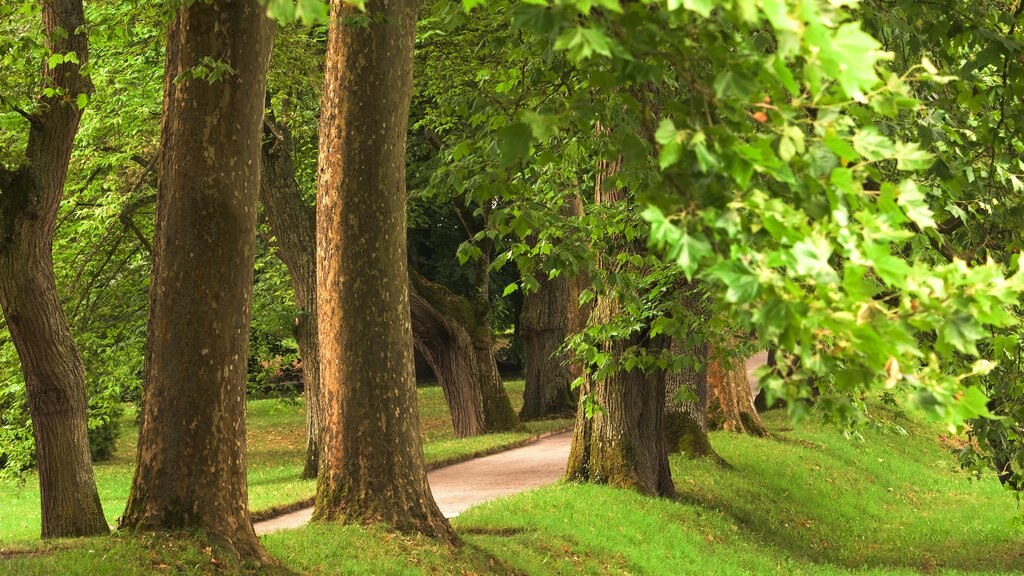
[
  {"x": 805, "y": 501},
  {"x": 276, "y": 443}
]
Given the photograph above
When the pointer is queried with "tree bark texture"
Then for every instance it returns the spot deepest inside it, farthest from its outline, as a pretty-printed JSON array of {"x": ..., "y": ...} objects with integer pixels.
[
  {"x": 686, "y": 425},
  {"x": 624, "y": 443},
  {"x": 30, "y": 197},
  {"x": 439, "y": 331},
  {"x": 293, "y": 223},
  {"x": 498, "y": 413},
  {"x": 191, "y": 469},
  {"x": 372, "y": 468},
  {"x": 730, "y": 402},
  {"x": 543, "y": 325}
]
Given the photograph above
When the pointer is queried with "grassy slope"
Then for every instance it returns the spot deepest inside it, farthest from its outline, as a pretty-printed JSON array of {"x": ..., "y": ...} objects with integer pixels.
[
  {"x": 803, "y": 502},
  {"x": 276, "y": 442}
]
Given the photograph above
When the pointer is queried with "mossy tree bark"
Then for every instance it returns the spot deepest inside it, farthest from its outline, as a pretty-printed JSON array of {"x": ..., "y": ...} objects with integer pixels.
[
  {"x": 686, "y": 390},
  {"x": 498, "y": 413},
  {"x": 30, "y": 197},
  {"x": 293, "y": 223},
  {"x": 686, "y": 420},
  {"x": 439, "y": 330},
  {"x": 624, "y": 444},
  {"x": 543, "y": 325},
  {"x": 372, "y": 468},
  {"x": 730, "y": 402},
  {"x": 191, "y": 471}
]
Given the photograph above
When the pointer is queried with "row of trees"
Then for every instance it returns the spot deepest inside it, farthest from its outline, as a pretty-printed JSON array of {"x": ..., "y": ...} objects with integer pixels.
[{"x": 675, "y": 184}]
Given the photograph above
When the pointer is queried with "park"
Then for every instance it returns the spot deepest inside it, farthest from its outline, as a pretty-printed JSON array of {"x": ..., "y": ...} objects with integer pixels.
[{"x": 670, "y": 287}]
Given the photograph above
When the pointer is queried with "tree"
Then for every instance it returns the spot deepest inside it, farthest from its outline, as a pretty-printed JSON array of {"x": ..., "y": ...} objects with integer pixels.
[
  {"x": 373, "y": 468},
  {"x": 622, "y": 441},
  {"x": 30, "y": 196},
  {"x": 293, "y": 223},
  {"x": 543, "y": 326},
  {"x": 439, "y": 331},
  {"x": 191, "y": 457},
  {"x": 730, "y": 403}
]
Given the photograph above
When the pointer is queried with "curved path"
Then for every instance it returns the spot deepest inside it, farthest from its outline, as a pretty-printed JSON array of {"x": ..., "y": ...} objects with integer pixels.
[{"x": 460, "y": 486}]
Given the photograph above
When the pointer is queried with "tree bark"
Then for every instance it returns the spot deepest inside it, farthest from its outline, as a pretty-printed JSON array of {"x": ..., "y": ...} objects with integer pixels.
[
  {"x": 293, "y": 223},
  {"x": 686, "y": 425},
  {"x": 373, "y": 468},
  {"x": 730, "y": 402},
  {"x": 498, "y": 413},
  {"x": 439, "y": 332},
  {"x": 30, "y": 197},
  {"x": 624, "y": 443},
  {"x": 543, "y": 324},
  {"x": 191, "y": 469}
]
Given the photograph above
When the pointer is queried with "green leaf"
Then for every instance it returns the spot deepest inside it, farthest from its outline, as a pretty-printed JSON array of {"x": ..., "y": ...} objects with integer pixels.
[
  {"x": 810, "y": 258},
  {"x": 514, "y": 142},
  {"x": 691, "y": 251},
  {"x": 872, "y": 145},
  {"x": 962, "y": 331},
  {"x": 740, "y": 282},
  {"x": 915, "y": 204}
]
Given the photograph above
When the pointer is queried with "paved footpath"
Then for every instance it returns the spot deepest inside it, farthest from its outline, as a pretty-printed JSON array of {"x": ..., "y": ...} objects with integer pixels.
[{"x": 461, "y": 486}]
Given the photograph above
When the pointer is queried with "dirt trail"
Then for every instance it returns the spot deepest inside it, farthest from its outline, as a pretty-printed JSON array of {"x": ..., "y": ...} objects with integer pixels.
[{"x": 460, "y": 486}]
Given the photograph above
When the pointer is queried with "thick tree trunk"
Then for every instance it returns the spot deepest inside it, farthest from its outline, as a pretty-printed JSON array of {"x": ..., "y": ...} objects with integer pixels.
[
  {"x": 372, "y": 468},
  {"x": 624, "y": 443},
  {"x": 439, "y": 332},
  {"x": 730, "y": 401},
  {"x": 686, "y": 425},
  {"x": 498, "y": 413},
  {"x": 293, "y": 223},
  {"x": 30, "y": 198},
  {"x": 543, "y": 324},
  {"x": 191, "y": 464}
]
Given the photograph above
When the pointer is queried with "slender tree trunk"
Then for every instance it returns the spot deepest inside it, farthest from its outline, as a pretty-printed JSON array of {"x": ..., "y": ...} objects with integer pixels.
[
  {"x": 438, "y": 327},
  {"x": 498, "y": 413},
  {"x": 191, "y": 461},
  {"x": 579, "y": 314},
  {"x": 543, "y": 324},
  {"x": 30, "y": 197},
  {"x": 293, "y": 223},
  {"x": 730, "y": 401},
  {"x": 624, "y": 443},
  {"x": 373, "y": 469}
]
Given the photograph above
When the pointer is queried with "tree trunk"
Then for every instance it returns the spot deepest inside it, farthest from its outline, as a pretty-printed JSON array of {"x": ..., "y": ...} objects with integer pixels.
[
  {"x": 498, "y": 413},
  {"x": 438, "y": 328},
  {"x": 624, "y": 443},
  {"x": 372, "y": 468},
  {"x": 293, "y": 223},
  {"x": 30, "y": 198},
  {"x": 686, "y": 425},
  {"x": 543, "y": 324},
  {"x": 191, "y": 464},
  {"x": 730, "y": 401},
  {"x": 578, "y": 315}
]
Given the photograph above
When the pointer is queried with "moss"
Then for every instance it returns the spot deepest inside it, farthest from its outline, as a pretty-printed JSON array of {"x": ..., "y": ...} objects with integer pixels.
[{"x": 685, "y": 436}]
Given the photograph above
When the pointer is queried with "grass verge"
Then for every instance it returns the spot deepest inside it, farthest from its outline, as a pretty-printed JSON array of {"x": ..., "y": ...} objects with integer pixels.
[
  {"x": 276, "y": 448},
  {"x": 802, "y": 502}
]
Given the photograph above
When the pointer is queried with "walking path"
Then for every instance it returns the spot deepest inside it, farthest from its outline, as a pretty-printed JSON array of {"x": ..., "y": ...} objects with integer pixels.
[{"x": 461, "y": 486}]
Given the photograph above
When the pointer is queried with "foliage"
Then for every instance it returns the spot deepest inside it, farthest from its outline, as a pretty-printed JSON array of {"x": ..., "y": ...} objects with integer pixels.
[{"x": 778, "y": 148}]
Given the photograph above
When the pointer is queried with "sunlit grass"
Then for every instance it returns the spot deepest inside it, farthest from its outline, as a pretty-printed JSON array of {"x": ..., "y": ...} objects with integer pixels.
[
  {"x": 276, "y": 447},
  {"x": 803, "y": 502}
]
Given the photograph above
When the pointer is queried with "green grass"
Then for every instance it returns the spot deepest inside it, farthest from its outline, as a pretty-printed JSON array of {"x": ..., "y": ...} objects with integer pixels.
[
  {"x": 804, "y": 502},
  {"x": 276, "y": 447}
]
